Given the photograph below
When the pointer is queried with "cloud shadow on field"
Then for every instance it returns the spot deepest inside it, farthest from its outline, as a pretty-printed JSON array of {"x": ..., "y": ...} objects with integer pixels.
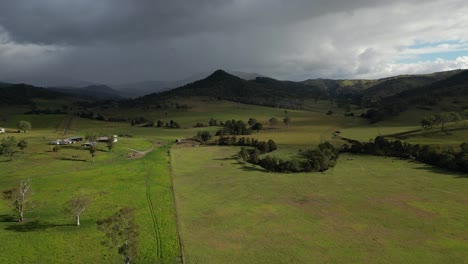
[{"x": 445, "y": 172}]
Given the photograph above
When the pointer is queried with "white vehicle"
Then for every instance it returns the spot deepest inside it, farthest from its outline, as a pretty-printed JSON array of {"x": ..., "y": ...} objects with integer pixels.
[{"x": 2, "y": 131}]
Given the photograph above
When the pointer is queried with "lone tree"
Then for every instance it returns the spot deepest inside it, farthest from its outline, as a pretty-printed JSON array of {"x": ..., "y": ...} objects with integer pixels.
[
  {"x": 22, "y": 144},
  {"x": 257, "y": 126},
  {"x": 287, "y": 121},
  {"x": 122, "y": 233},
  {"x": 273, "y": 121},
  {"x": 203, "y": 136},
  {"x": 446, "y": 117},
  {"x": 92, "y": 151},
  {"x": 76, "y": 206},
  {"x": 24, "y": 126},
  {"x": 110, "y": 143},
  {"x": 252, "y": 121},
  {"x": 244, "y": 154},
  {"x": 20, "y": 198},
  {"x": 428, "y": 122},
  {"x": 7, "y": 147}
]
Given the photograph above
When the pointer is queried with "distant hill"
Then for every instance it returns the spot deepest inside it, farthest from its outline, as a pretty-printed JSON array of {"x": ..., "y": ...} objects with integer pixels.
[
  {"x": 289, "y": 94},
  {"x": 23, "y": 94},
  {"x": 41, "y": 80},
  {"x": 222, "y": 85},
  {"x": 4, "y": 84},
  {"x": 454, "y": 87},
  {"x": 393, "y": 85},
  {"x": 136, "y": 89},
  {"x": 94, "y": 91}
]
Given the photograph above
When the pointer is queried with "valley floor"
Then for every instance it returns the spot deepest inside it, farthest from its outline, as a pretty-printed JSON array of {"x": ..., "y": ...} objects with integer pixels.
[{"x": 365, "y": 210}]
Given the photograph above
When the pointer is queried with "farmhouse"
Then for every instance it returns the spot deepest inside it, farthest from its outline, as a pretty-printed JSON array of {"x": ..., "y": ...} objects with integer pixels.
[
  {"x": 76, "y": 139},
  {"x": 2, "y": 130},
  {"x": 62, "y": 142},
  {"x": 89, "y": 144},
  {"x": 106, "y": 139}
]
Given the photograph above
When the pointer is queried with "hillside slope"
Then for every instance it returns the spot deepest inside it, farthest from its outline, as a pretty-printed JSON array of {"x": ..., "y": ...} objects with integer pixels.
[
  {"x": 23, "y": 94},
  {"x": 261, "y": 91}
]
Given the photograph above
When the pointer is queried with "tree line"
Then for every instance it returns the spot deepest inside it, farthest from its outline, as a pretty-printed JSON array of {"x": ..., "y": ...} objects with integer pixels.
[
  {"x": 440, "y": 119},
  {"x": 447, "y": 158},
  {"x": 317, "y": 160},
  {"x": 261, "y": 146},
  {"x": 145, "y": 122}
]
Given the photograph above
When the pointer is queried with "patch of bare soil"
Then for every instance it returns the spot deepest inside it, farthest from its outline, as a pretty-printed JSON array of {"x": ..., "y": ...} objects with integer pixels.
[
  {"x": 187, "y": 143},
  {"x": 137, "y": 154}
]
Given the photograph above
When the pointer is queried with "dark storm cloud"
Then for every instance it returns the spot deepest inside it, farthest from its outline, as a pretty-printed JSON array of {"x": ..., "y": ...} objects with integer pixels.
[
  {"x": 128, "y": 40},
  {"x": 89, "y": 21}
]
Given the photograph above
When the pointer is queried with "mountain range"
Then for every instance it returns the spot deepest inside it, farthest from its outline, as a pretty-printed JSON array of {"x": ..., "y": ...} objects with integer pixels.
[{"x": 387, "y": 96}]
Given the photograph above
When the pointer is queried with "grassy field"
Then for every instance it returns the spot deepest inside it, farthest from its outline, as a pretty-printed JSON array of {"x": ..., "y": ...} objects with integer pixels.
[
  {"x": 113, "y": 181},
  {"x": 365, "y": 210}
]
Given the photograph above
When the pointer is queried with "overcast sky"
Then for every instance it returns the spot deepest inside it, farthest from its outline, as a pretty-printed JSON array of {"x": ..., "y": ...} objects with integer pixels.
[{"x": 112, "y": 41}]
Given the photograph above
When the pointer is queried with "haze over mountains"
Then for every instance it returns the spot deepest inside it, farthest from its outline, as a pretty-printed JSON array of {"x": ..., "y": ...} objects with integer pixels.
[
  {"x": 112, "y": 91},
  {"x": 262, "y": 90}
]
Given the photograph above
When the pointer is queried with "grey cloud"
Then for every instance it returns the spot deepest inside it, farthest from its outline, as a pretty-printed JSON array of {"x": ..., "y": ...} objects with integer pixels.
[
  {"x": 113, "y": 41},
  {"x": 89, "y": 21}
]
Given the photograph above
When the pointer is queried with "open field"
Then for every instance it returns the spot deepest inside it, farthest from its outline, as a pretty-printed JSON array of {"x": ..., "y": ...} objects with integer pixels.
[
  {"x": 365, "y": 210},
  {"x": 113, "y": 181}
]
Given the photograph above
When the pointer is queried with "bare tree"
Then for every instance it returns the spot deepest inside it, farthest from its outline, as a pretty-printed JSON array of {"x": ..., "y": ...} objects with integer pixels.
[
  {"x": 92, "y": 150},
  {"x": 110, "y": 143},
  {"x": 21, "y": 197},
  {"x": 121, "y": 231},
  {"x": 287, "y": 121},
  {"x": 76, "y": 206}
]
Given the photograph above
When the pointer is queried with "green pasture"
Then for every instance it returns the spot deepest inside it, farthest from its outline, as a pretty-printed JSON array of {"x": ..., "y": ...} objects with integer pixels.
[
  {"x": 112, "y": 182},
  {"x": 365, "y": 210}
]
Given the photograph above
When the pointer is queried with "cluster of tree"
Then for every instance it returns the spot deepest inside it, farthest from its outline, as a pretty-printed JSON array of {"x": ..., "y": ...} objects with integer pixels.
[
  {"x": 98, "y": 116},
  {"x": 170, "y": 124},
  {"x": 446, "y": 158},
  {"x": 233, "y": 127},
  {"x": 198, "y": 124},
  {"x": 440, "y": 119},
  {"x": 8, "y": 146},
  {"x": 140, "y": 120},
  {"x": 262, "y": 146},
  {"x": 45, "y": 112},
  {"x": 203, "y": 136},
  {"x": 239, "y": 127},
  {"x": 320, "y": 159},
  {"x": 384, "y": 109},
  {"x": 149, "y": 102},
  {"x": 212, "y": 122},
  {"x": 95, "y": 104},
  {"x": 24, "y": 126}
]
